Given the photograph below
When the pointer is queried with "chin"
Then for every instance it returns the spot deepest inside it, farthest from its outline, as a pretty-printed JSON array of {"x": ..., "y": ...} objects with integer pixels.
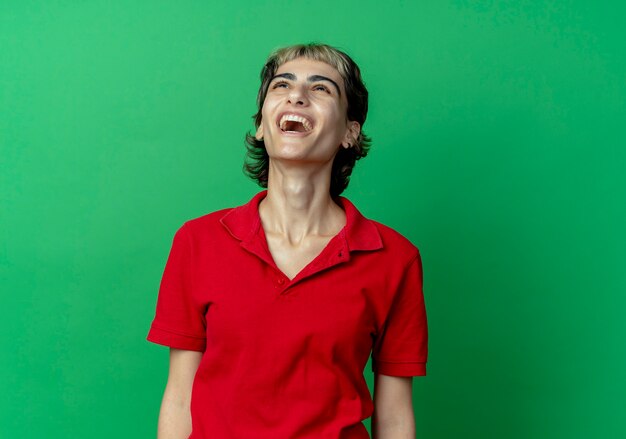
[
  {"x": 289, "y": 156},
  {"x": 287, "y": 149},
  {"x": 298, "y": 151}
]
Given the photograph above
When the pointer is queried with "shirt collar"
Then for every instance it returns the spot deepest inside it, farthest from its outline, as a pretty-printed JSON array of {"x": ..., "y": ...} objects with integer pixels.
[{"x": 360, "y": 233}]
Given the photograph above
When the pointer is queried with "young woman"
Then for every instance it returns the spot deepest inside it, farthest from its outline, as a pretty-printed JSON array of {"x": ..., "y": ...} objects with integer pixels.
[{"x": 272, "y": 309}]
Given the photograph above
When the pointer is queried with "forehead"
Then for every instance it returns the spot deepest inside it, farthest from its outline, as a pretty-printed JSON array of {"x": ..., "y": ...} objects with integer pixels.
[{"x": 304, "y": 67}]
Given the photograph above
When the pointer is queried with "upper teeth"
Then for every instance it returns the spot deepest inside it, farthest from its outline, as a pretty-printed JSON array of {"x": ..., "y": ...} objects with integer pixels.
[{"x": 292, "y": 117}]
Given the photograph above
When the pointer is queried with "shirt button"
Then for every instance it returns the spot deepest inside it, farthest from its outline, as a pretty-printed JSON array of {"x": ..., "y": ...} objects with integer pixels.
[{"x": 281, "y": 281}]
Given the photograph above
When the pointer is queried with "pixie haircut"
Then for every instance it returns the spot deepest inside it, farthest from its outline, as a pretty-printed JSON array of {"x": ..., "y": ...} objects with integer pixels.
[{"x": 256, "y": 165}]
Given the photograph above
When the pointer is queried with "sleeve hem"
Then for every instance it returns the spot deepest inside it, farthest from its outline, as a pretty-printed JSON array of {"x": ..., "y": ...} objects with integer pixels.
[
  {"x": 399, "y": 369},
  {"x": 174, "y": 340}
]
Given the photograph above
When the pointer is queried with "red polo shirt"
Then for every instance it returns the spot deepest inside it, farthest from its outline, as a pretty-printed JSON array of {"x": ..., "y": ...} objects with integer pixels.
[{"x": 284, "y": 359}]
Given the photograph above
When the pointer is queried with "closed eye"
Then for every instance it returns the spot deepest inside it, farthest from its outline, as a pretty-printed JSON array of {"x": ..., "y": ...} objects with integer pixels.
[
  {"x": 280, "y": 84},
  {"x": 321, "y": 87}
]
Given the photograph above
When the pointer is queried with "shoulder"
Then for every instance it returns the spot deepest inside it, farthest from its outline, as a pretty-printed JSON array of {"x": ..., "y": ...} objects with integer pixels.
[
  {"x": 395, "y": 243},
  {"x": 207, "y": 223},
  {"x": 231, "y": 221},
  {"x": 368, "y": 233},
  {"x": 208, "y": 219}
]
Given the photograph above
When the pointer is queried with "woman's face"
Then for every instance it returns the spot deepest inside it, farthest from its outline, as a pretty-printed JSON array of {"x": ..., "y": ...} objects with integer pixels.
[{"x": 304, "y": 116}]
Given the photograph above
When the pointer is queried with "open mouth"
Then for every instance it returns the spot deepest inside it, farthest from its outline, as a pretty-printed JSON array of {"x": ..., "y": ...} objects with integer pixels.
[{"x": 290, "y": 123}]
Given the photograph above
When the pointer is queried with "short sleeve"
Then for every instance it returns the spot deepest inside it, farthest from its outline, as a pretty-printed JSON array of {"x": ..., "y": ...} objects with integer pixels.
[
  {"x": 179, "y": 321},
  {"x": 401, "y": 348}
]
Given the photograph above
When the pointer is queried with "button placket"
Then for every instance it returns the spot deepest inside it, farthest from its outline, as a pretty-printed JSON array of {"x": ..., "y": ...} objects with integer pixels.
[{"x": 282, "y": 285}]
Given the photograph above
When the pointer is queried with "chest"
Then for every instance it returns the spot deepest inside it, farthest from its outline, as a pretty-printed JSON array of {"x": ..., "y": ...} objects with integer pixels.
[
  {"x": 290, "y": 258},
  {"x": 334, "y": 307}
]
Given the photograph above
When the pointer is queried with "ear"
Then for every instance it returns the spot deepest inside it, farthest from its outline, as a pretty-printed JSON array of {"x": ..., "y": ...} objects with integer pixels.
[
  {"x": 259, "y": 132},
  {"x": 352, "y": 134}
]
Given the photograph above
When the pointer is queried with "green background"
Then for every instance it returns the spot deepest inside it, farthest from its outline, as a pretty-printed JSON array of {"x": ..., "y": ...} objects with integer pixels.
[{"x": 499, "y": 150}]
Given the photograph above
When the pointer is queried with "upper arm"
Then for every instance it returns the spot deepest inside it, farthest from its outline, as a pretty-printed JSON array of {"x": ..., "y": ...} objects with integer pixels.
[
  {"x": 393, "y": 407},
  {"x": 401, "y": 345},
  {"x": 175, "y": 415},
  {"x": 179, "y": 321},
  {"x": 392, "y": 393},
  {"x": 183, "y": 367}
]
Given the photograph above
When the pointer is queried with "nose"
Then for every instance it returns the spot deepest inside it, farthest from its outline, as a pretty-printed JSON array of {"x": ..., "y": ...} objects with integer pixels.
[{"x": 297, "y": 96}]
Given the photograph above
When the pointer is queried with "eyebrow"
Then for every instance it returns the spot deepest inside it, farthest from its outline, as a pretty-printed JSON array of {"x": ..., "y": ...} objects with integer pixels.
[{"x": 312, "y": 78}]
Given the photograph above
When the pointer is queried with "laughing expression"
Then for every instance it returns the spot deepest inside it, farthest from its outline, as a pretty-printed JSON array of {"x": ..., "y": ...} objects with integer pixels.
[{"x": 304, "y": 116}]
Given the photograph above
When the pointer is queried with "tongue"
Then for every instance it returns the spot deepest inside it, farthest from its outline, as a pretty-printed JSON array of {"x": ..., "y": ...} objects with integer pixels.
[{"x": 293, "y": 125}]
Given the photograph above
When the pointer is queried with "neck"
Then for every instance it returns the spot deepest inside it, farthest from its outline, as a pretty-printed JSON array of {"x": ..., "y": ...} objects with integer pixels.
[{"x": 298, "y": 203}]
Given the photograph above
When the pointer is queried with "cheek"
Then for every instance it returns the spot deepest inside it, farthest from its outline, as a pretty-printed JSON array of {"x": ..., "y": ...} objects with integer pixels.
[
  {"x": 266, "y": 118},
  {"x": 338, "y": 120},
  {"x": 332, "y": 114},
  {"x": 268, "y": 106}
]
